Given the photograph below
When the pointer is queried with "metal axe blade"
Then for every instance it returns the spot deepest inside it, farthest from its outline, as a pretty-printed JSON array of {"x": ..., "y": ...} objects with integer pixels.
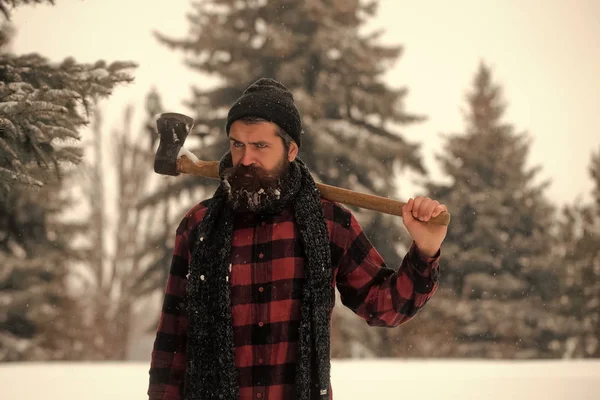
[{"x": 173, "y": 129}]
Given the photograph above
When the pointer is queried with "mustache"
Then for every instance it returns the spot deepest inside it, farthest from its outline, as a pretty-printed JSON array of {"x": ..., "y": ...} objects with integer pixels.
[
  {"x": 245, "y": 171},
  {"x": 241, "y": 171},
  {"x": 250, "y": 177}
]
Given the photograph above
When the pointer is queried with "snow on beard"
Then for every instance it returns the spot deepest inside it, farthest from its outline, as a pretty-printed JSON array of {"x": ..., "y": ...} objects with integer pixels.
[{"x": 251, "y": 188}]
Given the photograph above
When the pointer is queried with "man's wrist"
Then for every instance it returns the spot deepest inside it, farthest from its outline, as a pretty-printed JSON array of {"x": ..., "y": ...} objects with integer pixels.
[{"x": 427, "y": 252}]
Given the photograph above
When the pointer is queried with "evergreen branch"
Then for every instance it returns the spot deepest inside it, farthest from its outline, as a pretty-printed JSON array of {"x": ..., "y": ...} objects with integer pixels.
[
  {"x": 8, "y": 175},
  {"x": 4, "y": 146},
  {"x": 59, "y": 132},
  {"x": 69, "y": 154},
  {"x": 40, "y": 104},
  {"x": 7, "y": 128}
]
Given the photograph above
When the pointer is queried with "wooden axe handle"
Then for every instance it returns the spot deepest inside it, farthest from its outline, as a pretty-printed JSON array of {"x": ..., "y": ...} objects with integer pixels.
[{"x": 210, "y": 169}]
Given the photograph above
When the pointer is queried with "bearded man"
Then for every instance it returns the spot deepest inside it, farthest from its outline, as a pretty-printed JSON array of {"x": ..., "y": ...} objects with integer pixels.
[{"x": 251, "y": 289}]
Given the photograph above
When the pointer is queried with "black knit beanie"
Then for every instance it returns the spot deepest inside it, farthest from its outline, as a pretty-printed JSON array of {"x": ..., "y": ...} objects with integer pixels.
[{"x": 271, "y": 100}]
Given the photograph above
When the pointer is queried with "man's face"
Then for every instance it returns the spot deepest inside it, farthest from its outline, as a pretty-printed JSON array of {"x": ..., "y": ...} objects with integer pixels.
[
  {"x": 258, "y": 143},
  {"x": 260, "y": 159}
]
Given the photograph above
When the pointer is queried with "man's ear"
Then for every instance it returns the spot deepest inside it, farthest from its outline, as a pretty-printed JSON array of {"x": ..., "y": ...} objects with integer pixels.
[{"x": 293, "y": 152}]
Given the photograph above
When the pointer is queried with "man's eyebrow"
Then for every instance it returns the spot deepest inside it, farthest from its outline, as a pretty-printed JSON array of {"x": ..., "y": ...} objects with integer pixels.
[{"x": 239, "y": 141}]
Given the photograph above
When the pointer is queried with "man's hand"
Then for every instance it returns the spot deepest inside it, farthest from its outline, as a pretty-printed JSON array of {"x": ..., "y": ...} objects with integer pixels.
[{"x": 415, "y": 214}]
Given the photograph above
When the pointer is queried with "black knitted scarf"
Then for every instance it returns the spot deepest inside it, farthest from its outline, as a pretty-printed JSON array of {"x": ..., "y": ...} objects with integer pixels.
[{"x": 211, "y": 372}]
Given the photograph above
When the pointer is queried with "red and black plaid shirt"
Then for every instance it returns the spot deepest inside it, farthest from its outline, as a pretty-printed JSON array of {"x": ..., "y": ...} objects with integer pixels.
[{"x": 266, "y": 275}]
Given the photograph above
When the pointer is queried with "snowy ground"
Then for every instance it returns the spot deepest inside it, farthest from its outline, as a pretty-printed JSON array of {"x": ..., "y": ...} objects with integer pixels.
[{"x": 363, "y": 379}]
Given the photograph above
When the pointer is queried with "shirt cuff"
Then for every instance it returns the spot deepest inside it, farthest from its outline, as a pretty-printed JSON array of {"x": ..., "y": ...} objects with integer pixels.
[{"x": 422, "y": 261}]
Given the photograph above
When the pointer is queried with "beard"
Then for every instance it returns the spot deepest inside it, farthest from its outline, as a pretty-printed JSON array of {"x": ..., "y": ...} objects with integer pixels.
[{"x": 253, "y": 189}]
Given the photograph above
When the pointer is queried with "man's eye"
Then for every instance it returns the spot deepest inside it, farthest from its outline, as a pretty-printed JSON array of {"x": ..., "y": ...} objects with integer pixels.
[
  {"x": 261, "y": 145},
  {"x": 238, "y": 144}
]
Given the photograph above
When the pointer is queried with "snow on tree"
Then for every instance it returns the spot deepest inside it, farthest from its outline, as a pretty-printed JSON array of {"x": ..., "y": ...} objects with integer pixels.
[{"x": 43, "y": 107}]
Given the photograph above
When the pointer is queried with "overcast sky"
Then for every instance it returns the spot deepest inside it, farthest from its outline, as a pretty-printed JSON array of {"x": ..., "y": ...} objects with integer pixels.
[{"x": 546, "y": 54}]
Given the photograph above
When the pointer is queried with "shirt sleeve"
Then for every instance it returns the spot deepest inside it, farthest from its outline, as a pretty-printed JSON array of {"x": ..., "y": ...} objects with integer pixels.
[
  {"x": 167, "y": 368},
  {"x": 377, "y": 293}
]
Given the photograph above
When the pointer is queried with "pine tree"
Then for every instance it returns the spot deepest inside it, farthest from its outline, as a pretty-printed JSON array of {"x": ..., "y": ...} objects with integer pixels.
[
  {"x": 497, "y": 261},
  {"x": 314, "y": 48},
  {"x": 43, "y": 106},
  {"x": 579, "y": 244},
  {"x": 38, "y": 321}
]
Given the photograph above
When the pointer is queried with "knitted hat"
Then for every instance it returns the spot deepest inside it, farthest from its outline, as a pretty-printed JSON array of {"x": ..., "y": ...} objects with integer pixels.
[{"x": 271, "y": 100}]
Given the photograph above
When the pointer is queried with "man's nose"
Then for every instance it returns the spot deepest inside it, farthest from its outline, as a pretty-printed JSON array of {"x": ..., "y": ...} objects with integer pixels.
[{"x": 248, "y": 159}]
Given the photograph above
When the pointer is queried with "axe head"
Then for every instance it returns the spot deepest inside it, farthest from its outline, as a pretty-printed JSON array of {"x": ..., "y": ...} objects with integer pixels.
[{"x": 173, "y": 129}]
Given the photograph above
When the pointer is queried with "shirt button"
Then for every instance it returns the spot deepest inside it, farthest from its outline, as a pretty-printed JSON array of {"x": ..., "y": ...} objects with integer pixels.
[
  {"x": 261, "y": 255},
  {"x": 263, "y": 223},
  {"x": 260, "y": 323},
  {"x": 260, "y": 360},
  {"x": 259, "y": 395},
  {"x": 260, "y": 289}
]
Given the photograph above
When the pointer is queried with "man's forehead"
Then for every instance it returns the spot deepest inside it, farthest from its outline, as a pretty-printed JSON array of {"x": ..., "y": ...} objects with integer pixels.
[{"x": 264, "y": 131}]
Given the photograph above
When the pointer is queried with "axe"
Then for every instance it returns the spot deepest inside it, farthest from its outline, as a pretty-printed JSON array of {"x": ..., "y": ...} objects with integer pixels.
[{"x": 173, "y": 159}]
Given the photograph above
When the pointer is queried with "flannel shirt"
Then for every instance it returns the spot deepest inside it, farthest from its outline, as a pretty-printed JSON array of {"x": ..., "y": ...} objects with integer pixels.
[{"x": 266, "y": 275}]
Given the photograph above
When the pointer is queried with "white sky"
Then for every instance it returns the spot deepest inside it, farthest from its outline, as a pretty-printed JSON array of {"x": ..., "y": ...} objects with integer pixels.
[{"x": 546, "y": 53}]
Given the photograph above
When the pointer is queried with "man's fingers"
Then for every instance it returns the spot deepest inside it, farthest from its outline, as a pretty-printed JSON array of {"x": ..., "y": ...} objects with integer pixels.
[
  {"x": 423, "y": 208},
  {"x": 417, "y": 206},
  {"x": 438, "y": 210},
  {"x": 427, "y": 208}
]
